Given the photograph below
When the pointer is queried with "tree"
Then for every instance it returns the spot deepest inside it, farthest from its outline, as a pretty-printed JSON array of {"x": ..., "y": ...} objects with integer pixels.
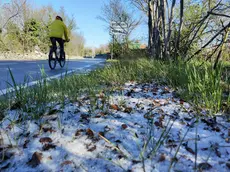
[{"x": 116, "y": 12}]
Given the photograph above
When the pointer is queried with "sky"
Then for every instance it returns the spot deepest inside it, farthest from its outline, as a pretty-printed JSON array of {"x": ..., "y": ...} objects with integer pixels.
[{"x": 86, "y": 13}]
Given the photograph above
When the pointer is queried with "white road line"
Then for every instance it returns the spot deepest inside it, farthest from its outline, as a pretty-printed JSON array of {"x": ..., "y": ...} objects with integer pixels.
[
  {"x": 5, "y": 64},
  {"x": 11, "y": 89}
]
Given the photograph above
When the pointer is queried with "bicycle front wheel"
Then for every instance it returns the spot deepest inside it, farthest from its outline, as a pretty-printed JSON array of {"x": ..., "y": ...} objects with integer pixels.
[
  {"x": 62, "y": 60},
  {"x": 52, "y": 59}
]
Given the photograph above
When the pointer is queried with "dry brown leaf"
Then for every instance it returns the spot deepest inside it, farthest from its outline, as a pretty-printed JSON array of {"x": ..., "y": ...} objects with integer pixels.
[
  {"x": 92, "y": 149},
  {"x": 47, "y": 147},
  {"x": 66, "y": 163},
  {"x": 136, "y": 161},
  {"x": 45, "y": 140},
  {"x": 102, "y": 114},
  {"x": 50, "y": 157},
  {"x": 161, "y": 158},
  {"x": 78, "y": 132},
  {"x": 181, "y": 101},
  {"x": 114, "y": 107},
  {"x": 228, "y": 165},
  {"x": 204, "y": 166},
  {"x": 155, "y": 90},
  {"x": 101, "y": 133},
  {"x": 124, "y": 126},
  {"x": 128, "y": 110},
  {"x": 35, "y": 160},
  {"x": 190, "y": 150},
  {"x": 25, "y": 143},
  {"x": 158, "y": 124},
  {"x": 89, "y": 132},
  {"x": 48, "y": 129},
  {"x": 217, "y": 129}
]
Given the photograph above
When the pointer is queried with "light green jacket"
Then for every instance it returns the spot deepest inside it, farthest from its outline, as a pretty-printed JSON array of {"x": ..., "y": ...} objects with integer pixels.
[{"x": 58, "y": 29}]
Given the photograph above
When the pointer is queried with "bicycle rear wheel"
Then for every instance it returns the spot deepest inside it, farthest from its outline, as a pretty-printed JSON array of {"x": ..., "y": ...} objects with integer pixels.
[
  {"x": 62, "y": 60},
  {"x": 52, "y": 59}
]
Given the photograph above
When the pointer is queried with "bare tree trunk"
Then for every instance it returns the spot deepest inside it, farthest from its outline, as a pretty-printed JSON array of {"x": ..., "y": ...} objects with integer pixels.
[
  {"x": 150, "y": 26},
  {"x": 170, "y": 26},
  {"x": 180, "y": 27},
  {"x": 163, "y": 10},
  {"x": 225, "y": 37}
]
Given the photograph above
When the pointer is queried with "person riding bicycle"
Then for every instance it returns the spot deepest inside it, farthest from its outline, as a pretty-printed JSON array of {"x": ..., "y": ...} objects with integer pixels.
[{"x": 57, "y": 30}]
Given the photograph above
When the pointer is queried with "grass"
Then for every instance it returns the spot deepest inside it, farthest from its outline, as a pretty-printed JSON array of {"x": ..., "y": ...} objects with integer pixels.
[{"x": 200, "y": 85}]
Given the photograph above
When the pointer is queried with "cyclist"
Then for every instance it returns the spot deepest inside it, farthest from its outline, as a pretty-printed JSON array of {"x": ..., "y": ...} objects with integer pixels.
[{"x": 57, "y": 30}]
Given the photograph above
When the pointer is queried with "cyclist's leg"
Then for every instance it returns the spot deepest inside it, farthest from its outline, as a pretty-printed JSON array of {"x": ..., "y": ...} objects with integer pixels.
[
  {"x": 61, "y": 44},
  {"x": 54, "y": 45}
]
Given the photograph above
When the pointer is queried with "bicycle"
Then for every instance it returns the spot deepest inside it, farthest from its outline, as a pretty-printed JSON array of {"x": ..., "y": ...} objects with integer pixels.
[{"x": 55, "y": 56}]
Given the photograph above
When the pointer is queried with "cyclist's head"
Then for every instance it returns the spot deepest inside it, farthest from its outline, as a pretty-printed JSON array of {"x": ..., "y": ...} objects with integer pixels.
[{"x": 58, "y": 18}]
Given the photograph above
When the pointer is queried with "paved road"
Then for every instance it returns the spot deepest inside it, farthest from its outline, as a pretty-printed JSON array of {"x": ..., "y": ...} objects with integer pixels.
[{"x": 31, "y": 69}]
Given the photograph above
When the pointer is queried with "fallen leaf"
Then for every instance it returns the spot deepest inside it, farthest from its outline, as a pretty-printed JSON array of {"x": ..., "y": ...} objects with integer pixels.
[
  {"x": 84, "y": 116},
  {"x": 92, "y": 149},
  {"x": 120, "y": 156},
  {"x": 107, "y": 128},
  {"x": 78, "y": 132},
  {"x": 228, "y": 164},
  {"x": 190, "y": 150},
  {"x": 128, "y": 110},
  {"x": 204, "y": 166},
  {"x": 48, "y": 129},
  {"x": 114, "y": 107},
  {"x": 181, "y": 101},
  {"x": 53, "y": 111},
  {"x": 45, "y": 140},
  {"x": 25, "y": 143},
  {"x": 50, "y": 157},
  {"x": 161, "y": 158},
  {"x": 136, "y": 161},
  {"x": 217, "y": 129},
  {"x": 35, "y": 135},
  {"x": 101, "y": 133},
  {"x": 155, "y": 90},
  {"x": 47, "y": 147},
  {"x": 148, "y": 116},
  {"x": 66, "y": 163},
  {"x": 102, "y": 114},
  {"x": 158, "y": 124},
  {"x": 89, "y": 132},
  {"x": 35, "y": 160},
  {"x": 118, "y": 141},
  {"x": 124, "y": 126}
]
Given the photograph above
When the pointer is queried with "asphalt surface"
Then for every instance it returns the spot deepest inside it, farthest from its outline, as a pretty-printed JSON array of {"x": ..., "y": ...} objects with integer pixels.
[{"x": 28, "y": 71}]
